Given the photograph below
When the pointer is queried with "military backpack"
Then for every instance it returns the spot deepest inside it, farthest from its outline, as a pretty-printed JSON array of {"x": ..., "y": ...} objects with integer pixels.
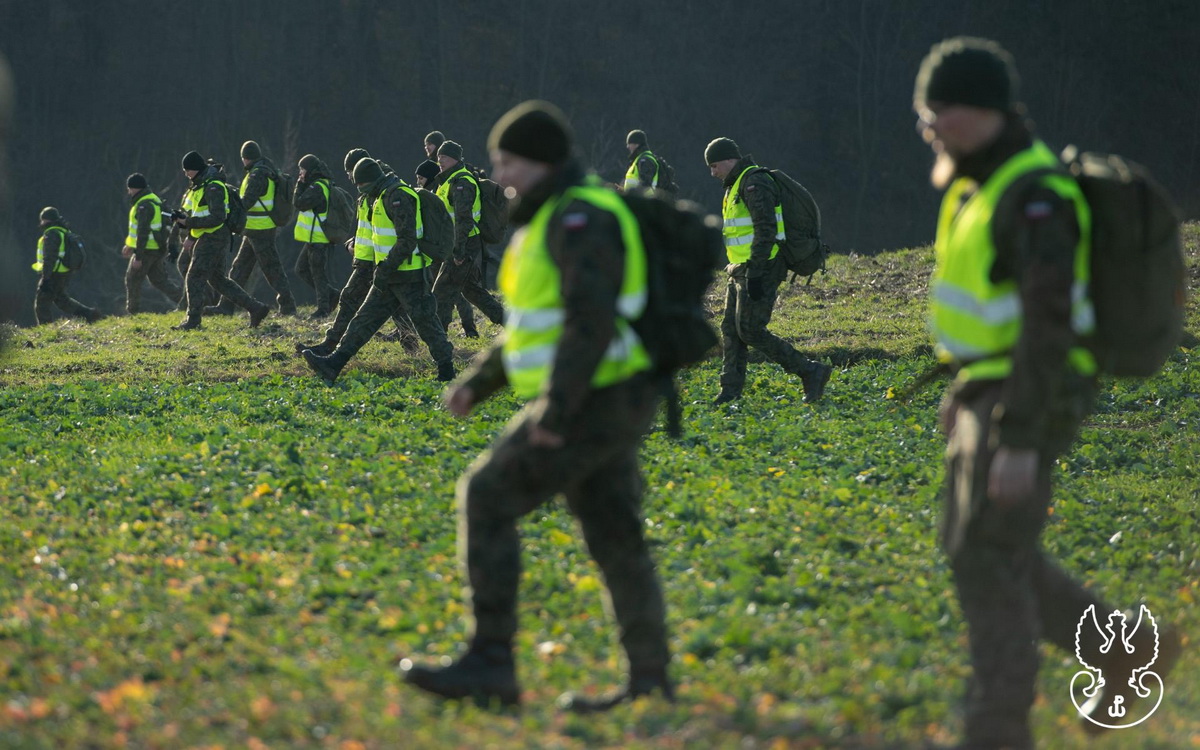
[
  {"x": 235, "y": 213},
  {"x": 684, "y": 251},
  {"x": 437, "y": 227},
  {"x": 801, "y": 250},
  {"x": 282, "y": 210},
  {"x": 341, "y": 217},
  {"x": 493, "y": 211},
  {"x": 666, "y": 175},
  {"x": 74, "y": 256},
  {"x": 1137, "y": 286}
]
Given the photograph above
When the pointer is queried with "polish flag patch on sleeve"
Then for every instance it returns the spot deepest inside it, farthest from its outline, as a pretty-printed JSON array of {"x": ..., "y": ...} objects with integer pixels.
[
  {"x": 575, "y": 221},
  {"x": 1038, "y": 210}
]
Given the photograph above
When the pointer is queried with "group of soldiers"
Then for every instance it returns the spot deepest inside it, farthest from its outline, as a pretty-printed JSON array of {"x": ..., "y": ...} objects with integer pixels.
[{"x": 572, "y": 280}]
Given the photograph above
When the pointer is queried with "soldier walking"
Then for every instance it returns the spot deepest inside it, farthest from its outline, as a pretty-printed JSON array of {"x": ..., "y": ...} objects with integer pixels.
[
  {"x": 400, "y": 281},
  {"x": 753, "y": 227},
  {"x": 146, "y": 246},
  {"x": 205, "y": 208},
  {"x": 258, "y": 238},
  {"x": 573, "y": 284},
  {"x": 1009, "y": 309},
  {"x": 55, "y": 274}
]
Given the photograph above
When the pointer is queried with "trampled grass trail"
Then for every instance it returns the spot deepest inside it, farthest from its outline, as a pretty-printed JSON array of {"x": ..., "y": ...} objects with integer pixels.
[{"x": 201, "y": 545}]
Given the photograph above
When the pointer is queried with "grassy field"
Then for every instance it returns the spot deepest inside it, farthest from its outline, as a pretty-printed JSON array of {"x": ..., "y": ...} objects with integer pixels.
[{"x": 203, "y": 546}]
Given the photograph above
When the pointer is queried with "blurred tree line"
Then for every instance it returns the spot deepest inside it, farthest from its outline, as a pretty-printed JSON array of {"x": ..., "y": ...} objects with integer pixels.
[{"x": 819, "y": 88}]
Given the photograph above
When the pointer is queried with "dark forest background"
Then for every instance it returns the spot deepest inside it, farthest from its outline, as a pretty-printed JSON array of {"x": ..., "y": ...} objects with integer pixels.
[{"x": 819, "y": 88}]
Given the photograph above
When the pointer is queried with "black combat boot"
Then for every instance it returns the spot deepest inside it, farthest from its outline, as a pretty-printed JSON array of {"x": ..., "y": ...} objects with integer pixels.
[
  {"x": 224, "y": 307},
  {"x": 486, "y": 673},
  {"x": 641, "y": 682},
  {"x": 725, "y": 396},
  {"x": 322, "y": 348},
  {"x": 446, "y": 372},
  {"x": 258, "y": 314},
  {"x": 189, "y": 323},
  {"x": 328, "y": 368},
  {"x": 814, "y": 382}
]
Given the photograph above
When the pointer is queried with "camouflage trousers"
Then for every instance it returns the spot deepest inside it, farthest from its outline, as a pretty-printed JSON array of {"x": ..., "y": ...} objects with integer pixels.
[
  {"x": 407, "y": 293},
  {"x": 153, "y": 268},
  {"x": 466, "y": 313},
  {"x": 745, "y": 326},
  {"x": 259, "y": 248},
  {"x": 182, "y": 264},
  {"x": 312, "y": 265},
  {"x": 1012, "y": 594},
  {"x": 464, "y": 279},
  {"x": 597, "y": 472},
  {"x": 52, "y": 290},
  {"x": 351, "y": 298},
  {"x": 207, "y": 268}
]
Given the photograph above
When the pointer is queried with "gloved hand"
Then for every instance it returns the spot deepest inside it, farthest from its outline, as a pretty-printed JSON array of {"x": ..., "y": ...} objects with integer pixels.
[{"x": 756, "y": 288}]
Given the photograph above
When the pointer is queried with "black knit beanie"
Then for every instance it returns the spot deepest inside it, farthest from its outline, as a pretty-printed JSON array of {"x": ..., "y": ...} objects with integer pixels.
[
  {"x": 721, "y": 149},
  {"x": 435, "y": 139},
  {"x": 451, "y": 149},
  {"x": 636, "y": 136},
  {"x": 428, "y": 169},
  {"x": 535, "y": 130},
  {"x": 50, "y": 215},
  {"x": 967, "y": 70},
  {"x": 251, "y": 151},
  {"x": 353, "y": 156},
  {"x": 367, "y": 171},
  {"x": 193, "y": 161},
  {"x": 137, "y": 181}
]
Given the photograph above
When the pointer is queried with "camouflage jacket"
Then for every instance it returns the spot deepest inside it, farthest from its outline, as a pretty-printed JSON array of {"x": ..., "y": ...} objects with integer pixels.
[
  {"x": 462, "y": 205},
  {"x": 761, "y": 195},
  {"x": 260, "y": 173},
  {"x": 585, "y": 242},
  {"x": 145, "y": 217},
  {"x": 401, "y": 208},
  {"x": 1035, "y": 232},
  {"x": 214, "y": 194}
]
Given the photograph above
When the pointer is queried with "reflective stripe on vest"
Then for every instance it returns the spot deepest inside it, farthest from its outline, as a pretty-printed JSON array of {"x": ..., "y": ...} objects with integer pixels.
[
  {"x": 156, "y": 223},
  {"x": 384, "y": 231},
  {"x": 310, "y": 224},
  {"x": 975, "y": 321},
  {"x": 195, "y": 202},
  {"x": 530, "y": 281},
  {"x": 631, "y": 177},
  {"x": 739, "y": 226},
  {"x": 62, "y": 250},
  {"x": 443, "y": 192},
  {"x": 364, "y": 235},
  {"x": 258, "y": 215}
]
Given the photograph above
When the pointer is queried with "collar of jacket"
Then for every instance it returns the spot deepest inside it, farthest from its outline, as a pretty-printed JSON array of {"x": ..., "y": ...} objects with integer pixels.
[
  {"x": 382, "y": 185},
  {"x": 525, "y": 206},
  {"x": 138, "y": 195},
  {"x": 1014, "y": 137},
  {"x": 742, "y": 164},
  {"x": 637, "y": 152}
]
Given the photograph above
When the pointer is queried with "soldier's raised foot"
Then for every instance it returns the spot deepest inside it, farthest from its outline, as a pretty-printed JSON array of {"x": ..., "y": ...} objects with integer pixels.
[{"x": 814, "y": 382}]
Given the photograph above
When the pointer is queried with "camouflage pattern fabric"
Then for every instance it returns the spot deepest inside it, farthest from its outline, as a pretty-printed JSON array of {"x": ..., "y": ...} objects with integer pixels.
[
  {"x": 154, "y": 269},
  {"x": 259, "y": 247},
  {"x": 745, "y": 325}
]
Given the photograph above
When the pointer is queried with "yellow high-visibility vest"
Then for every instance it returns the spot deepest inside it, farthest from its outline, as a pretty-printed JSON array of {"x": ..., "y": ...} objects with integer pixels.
[
  {"x": 976, "y": 321},
  {"x": 156, "y": 222},
  {"x": 739, "y": 226},
  {"x": 530, "y": 281}
]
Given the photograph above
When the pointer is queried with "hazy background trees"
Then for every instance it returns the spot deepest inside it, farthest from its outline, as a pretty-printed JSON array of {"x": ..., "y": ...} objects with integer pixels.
[{"x": 820, "y": 88}]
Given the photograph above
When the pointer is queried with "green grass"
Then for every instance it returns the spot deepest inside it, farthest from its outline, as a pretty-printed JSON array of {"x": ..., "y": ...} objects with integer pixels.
[{"x": 202, "y": 545}]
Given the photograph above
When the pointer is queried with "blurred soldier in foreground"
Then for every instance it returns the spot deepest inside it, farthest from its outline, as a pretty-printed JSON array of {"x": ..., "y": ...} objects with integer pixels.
[
  {"x": 1009, "y": 308},
  {"x": 753, "y": 225},
  {"x": 205, "y": 208},
  {"x": 51, "y": 264},
  {"x": 573, "y": 283},
  {"x": 146, "y": 246}
]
